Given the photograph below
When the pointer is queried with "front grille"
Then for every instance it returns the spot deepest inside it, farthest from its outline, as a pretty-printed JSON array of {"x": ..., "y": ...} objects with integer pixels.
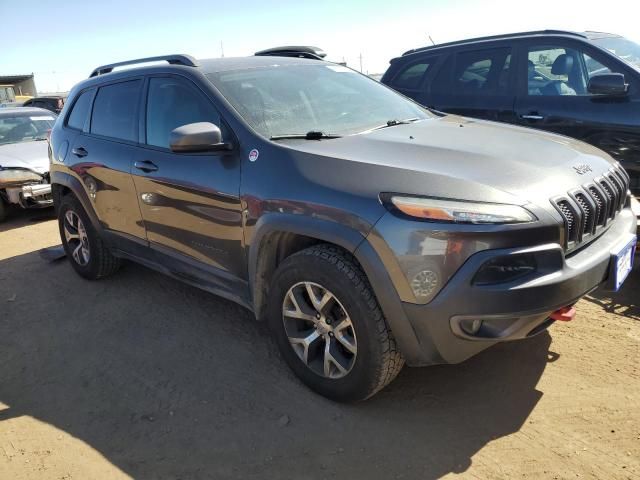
[{"x": 587, "y": 210}]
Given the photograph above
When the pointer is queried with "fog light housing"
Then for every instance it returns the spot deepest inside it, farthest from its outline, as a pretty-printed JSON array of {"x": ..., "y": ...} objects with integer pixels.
[
  {"x": 471, "y": 327},
  {"x": 505, "y": 269}
]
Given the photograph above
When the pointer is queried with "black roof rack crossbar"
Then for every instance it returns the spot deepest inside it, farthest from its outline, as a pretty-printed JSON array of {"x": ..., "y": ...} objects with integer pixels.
[
  {"x": 313, "y": 53},
  {"x": 185, "y": 60},
  {"x": 495, "y": 37}
]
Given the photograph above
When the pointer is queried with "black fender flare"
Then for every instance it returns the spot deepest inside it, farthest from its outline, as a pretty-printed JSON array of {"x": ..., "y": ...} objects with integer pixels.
[
  {"x": 76, "y": 187},
  {"x": 355, "y": 242}
]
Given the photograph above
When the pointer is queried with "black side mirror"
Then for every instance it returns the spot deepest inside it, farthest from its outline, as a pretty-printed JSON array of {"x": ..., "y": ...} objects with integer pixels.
[
  {"x": 197, "y": 137},
  {"x": 607, "y": 84}
]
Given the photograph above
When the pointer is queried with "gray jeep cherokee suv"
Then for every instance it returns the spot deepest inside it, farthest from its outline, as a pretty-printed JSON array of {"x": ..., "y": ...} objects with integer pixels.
[{"x": 366, "y": 230}]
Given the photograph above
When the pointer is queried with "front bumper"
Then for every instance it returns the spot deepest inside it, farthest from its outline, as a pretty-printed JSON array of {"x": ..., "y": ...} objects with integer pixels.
[
  {"x": 36, "y": 195},
  {"x": 512, "y": 310}
]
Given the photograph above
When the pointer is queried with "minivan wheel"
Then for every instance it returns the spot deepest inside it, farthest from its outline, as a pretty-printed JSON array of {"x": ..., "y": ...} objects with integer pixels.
[
  {"x": 82, "y": 244},
  {"x": 329, "y": 327}
]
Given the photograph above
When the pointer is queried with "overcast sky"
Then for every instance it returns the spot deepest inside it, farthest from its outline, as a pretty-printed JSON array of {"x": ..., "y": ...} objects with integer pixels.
[{"x": 66, "y": 39}]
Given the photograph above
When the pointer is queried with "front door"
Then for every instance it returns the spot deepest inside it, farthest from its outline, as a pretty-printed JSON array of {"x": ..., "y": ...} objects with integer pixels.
[
  {"x": 190, "y": 202},
  {"x": 553, "y": 95}
]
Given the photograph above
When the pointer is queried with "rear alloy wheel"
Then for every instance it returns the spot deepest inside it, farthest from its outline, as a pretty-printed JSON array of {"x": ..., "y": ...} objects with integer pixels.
[
  {"x": 319, "y": 330},
  {"x": 86, "y": 251},
  {"x": 328, "y": 325},
  {"x": 76, "y": 236}
]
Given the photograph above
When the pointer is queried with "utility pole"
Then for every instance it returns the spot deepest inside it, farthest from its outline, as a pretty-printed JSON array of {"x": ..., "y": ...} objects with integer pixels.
[
  {"x": 221, "y": 49},
  {"x": 360, "y": 62}
]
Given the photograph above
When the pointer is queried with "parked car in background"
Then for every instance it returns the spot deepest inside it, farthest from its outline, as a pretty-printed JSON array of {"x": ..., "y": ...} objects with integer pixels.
[
  {"x": 8, "y": 97},
  {"x": 583, "y": 85},
  {"x": 53, "y": 104},
  {"x": 365, "y": 229},
  {"x": 24, "y": 159}
]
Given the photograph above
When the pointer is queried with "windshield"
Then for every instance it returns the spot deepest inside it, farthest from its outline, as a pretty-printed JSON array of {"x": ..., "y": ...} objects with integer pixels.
[
  {"x": 296, "y": 99},
  {"x": 25, "y": 128},
  {"x": 621, "y": 47}
]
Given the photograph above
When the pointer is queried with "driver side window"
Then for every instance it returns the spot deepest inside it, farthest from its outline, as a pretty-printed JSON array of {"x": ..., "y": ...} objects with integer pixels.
[
  {"x": 172, "y": 103},
  {"x": 554, "y": 71}
]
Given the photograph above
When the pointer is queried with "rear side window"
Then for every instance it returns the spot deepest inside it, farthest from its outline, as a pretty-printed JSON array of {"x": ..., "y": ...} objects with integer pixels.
[
  {"x": 172, "y": 103},
  {"x": 484, "y": 72},
  {"x": 411, "y": 75},
  {"x": 115, "y": 109},
  {"x": 80, "y": 110}
]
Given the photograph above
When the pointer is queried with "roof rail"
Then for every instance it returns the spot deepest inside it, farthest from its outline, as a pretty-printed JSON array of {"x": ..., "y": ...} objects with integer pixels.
[
  {"x": 496, "y": 37},
  {"x": 314, "y": 53},
  {"x": 185, "y": 60}
]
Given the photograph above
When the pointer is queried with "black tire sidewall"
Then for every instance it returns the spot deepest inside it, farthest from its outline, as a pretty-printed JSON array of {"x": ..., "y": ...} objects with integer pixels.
[
  {"x": 91, "y": 270},
  {"x": 4, "y": 209},
  {"x": 360, "y": 382}
]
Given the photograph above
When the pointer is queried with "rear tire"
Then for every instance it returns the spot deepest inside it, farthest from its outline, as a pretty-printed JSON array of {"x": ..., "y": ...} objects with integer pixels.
[
  {"x": 86, "y": 251},
  {"x": 320, "y": 296},
  {"x": 3, "y": 210}
]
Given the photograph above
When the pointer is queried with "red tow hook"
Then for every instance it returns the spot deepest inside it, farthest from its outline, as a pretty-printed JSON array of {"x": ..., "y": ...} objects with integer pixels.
[{"x": 564, "y": 314}]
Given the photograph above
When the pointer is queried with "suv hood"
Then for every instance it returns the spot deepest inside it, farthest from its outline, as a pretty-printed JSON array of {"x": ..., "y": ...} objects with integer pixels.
[
  {"x": 32, "y": 155},
  {"x": 456, "y": 157}
]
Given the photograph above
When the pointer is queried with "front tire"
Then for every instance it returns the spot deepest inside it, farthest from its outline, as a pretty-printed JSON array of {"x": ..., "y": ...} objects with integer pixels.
[
  {"x": 329, "y": 327},
  {"x": 86, "y": 251}
]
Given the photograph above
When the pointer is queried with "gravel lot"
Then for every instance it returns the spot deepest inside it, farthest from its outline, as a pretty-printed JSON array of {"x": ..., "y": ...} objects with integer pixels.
[{"x": 141, "y": 376}]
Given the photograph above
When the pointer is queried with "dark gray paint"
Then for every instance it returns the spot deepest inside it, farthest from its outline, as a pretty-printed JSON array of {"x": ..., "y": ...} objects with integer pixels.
[{"x": 204, "y": 218}]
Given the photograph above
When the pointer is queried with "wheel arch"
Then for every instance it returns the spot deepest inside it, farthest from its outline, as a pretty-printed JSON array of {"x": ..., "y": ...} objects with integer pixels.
[
  {"x": 278, "y": 236},
  {"x": 62, "y": 184}
]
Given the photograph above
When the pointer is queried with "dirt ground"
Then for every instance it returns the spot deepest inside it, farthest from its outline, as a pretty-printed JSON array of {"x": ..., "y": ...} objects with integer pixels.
[{"x": 141, "y": 376}]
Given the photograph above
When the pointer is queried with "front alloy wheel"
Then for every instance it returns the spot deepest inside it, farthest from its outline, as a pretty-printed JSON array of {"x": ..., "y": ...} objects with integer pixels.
[
  {"x": 319, "y": 330},
  {"x": 336, "y": 341}
]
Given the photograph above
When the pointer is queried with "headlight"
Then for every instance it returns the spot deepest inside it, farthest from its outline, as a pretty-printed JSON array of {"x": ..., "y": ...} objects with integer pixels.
[
  {"x": 18, "y": 175},
  {"x": 455, "y": 211}
]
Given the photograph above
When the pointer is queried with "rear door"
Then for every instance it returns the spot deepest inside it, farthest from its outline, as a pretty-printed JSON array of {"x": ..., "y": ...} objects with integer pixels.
[
  {"x": 476, "y": 83},
  {"x": 190, "y": 202},
  {"x": 101, "y": 153}
]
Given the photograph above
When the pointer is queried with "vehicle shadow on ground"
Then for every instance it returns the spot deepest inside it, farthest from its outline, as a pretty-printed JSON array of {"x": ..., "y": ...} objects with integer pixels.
[
  {"x": 626, "y": 302},
  {"x": 167, "y": 381},
  {"x": 17, "y": 218}
]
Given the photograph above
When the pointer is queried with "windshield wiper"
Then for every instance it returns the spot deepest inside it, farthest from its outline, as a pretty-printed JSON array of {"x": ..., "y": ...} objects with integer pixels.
[{"x": 312, "y": 135}]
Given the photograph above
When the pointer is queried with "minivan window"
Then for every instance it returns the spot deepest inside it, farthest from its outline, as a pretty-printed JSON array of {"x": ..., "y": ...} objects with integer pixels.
[
  {"x": 296, "y": 99},
  {"x": 411, "y": 76},
  {"x": 171, "y": 103},
  {"x": 114, "y": 110},
  {"x": 484, "y": 72},
  {"x": 78, "y": 115}
]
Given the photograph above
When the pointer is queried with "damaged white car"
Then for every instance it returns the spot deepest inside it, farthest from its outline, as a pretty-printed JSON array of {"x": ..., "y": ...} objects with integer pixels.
[{"x": 24, "y": 161}]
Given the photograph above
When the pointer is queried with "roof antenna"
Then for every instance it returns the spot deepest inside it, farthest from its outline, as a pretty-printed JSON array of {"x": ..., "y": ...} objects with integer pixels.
[{"x": 431, "y": 39}]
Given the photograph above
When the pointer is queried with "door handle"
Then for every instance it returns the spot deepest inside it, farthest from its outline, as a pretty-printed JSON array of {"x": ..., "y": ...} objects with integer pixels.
[
  {"x": 146, "y": 166},
  {"x": 80, "y": 152},
  {"x": 532, "y": 116}
]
